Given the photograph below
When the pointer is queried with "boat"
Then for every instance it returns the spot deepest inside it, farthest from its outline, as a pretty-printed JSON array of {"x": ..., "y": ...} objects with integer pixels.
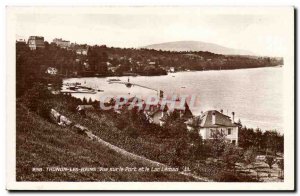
[
  {"x": 78, "y": 88},
  {"x": 78, "y": 91},
  {"x": 128, "y": 84},
  {"x": 72, "y": 84},
  {"x": 113, "y": 80},
  {"x": 83, "y": 90}
]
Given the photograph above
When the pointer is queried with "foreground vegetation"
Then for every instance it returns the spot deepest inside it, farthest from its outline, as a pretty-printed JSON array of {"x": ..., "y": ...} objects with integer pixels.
[
  {"x": 171, "y": 144},
  {"x": 43, "y": 144}
]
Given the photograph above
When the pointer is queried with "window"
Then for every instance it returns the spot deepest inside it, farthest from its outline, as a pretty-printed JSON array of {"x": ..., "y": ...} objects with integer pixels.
[
  {"x": 212, "y": 133},
  {"x": 233, "y": 142},
  {"x": 229, "y": 131},
  {"x": 223, "y": 132}
]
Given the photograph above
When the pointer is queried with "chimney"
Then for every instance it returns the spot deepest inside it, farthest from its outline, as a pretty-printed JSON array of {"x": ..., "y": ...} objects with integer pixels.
[
  {"x": 232, "y": 117},
  {"x": 161, "y": 94},
  {"x": 221, "y": 111},
  {"x": 213, "y": 118}
]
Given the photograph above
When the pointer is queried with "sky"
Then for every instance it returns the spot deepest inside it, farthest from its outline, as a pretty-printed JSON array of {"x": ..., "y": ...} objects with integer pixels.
[{"x": 263, "y": 33}]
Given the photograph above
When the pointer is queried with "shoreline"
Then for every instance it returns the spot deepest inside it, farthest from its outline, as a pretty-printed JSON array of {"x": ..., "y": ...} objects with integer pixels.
[{"x": 168, "y": 73}]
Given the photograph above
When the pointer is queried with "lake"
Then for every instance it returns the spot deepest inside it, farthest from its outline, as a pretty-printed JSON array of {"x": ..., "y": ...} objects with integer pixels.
[{"x": 255, "y": 95}]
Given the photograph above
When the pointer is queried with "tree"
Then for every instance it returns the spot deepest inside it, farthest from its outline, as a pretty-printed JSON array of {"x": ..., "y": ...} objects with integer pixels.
[
  {"x": 281, "y": 166},
  {"x": 250, "y": 156},
  {"x": 37, "y": 100},
  {"x": 35, "y": 96},
  {"x": 97, "y": 59},
  {"x": 176, "y": 129},
  {"x": 84, "y": 101},
  {"x": 231, "y": 155},
  {"x": 196, "y": 145},
  {"x": 151, "y": 70},
  {"x": 270, "y": 160},
  {"x": 270, "y": 141},
  {"x": 273, "y": 141},
  {"x": 32, "y": 64},
  {"x": 258, "y": 138},
  {"x": 246, "y": 137},
  {"x": 217, "y": 144}
]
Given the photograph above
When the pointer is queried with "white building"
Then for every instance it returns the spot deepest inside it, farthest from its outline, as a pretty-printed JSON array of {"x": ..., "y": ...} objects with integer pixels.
[
  {"x": 51, "y": 71},
  {"x": 84, "y": 107},
  {"x": 158, "y": 113},
  {"x": 82, "y": 51},
  {"x": 35, "y": 42},
  {"x": 61, "y": 43},
  {"x": 212, "y": 122},
  {"x": 172, "y": 69}
]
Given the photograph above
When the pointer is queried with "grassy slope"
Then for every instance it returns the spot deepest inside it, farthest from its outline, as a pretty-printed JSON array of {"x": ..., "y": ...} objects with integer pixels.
[
  {"x": 104, "y": 126},
  {"x": 149, "y": 145},
  {"x": 43, "y": 144}
]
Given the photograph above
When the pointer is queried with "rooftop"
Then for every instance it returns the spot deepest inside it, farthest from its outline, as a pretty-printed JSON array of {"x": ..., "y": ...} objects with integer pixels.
[{"x": 206, "y": 120}]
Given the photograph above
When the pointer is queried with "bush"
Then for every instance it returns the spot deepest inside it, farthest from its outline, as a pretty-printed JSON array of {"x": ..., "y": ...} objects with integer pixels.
[
  {"x": 281, "y": 166},
  {"x": 229, "y": 176},
  {"x": 270, "y": 160},
  {"x": 35, "y": 96},
  {"x": 44, "y": 110},
  {"x": 216, "y": 146},
  {"x": 132, "y": 132},
  {"x": 231, "y": 155},
  {"x": 38, "y": 100},
  {"x": 250, "y": 156}
]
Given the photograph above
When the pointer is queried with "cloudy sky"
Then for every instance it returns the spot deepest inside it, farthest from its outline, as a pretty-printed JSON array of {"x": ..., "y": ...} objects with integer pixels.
[{"x": 261, "y": 32}]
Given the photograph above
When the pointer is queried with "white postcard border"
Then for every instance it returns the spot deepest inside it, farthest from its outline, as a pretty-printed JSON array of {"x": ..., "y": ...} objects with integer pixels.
[{"x": 288, "y": 88}]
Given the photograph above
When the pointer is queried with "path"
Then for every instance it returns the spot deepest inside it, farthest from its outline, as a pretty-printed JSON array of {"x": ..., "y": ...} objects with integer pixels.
[{"x": 125, "y": 153}]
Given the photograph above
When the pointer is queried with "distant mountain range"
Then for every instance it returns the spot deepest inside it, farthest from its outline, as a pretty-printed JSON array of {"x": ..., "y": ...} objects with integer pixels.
[{"x": 197, "y": 46}]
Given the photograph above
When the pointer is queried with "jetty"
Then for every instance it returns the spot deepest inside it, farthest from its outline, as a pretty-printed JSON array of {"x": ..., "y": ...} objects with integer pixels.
[{"x": 130, "y": 84}]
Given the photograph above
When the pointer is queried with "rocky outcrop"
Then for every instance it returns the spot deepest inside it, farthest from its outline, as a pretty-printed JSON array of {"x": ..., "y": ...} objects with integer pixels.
[{"x": 60, "y": 119}]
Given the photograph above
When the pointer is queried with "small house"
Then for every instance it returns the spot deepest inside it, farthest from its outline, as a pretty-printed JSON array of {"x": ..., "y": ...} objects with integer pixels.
[
  {"x": 82, "y": 51},
  {"x": 51, "y": 71},
  {"x": 84, "y": 107},
  {"x": 159, "y": 113},
  {"x": 172, "y": 69},
  {"x": 213, "y": 122}
]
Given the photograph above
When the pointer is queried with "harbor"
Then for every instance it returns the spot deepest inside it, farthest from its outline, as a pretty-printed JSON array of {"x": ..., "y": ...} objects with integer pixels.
[{"x": 235, "y": 95}]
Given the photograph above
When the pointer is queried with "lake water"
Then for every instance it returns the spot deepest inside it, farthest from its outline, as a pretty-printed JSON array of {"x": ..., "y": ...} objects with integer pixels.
[{"x": 255, "y": 95}]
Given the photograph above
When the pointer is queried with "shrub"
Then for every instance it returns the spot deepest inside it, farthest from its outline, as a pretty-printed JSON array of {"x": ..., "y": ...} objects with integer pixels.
[
  {"x": 250, "y": 156},
  {"x": 132, "y": 132},
  {"x": 270, "y": 160},
  {"x": 44, "y": 110},
  {"x": 281, "y": 166},
  {"x": 231, "y": 155},
  {"x": 229, "y": 176},
  {"x": 216, "y": 145},
  {"x": 36, "y": 96}
]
